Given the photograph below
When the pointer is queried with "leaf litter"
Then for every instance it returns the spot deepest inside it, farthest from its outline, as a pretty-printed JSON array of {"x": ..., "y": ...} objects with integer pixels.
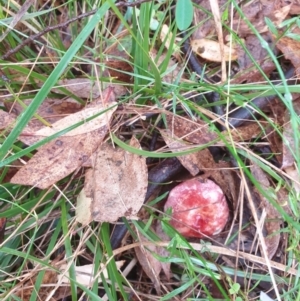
[
  {"x": 116, "y": 184},
  {"x": 61, "y": 156}
]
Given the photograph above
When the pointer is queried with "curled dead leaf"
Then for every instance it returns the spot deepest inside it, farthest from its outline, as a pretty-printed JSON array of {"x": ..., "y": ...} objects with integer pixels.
[
  {"x": 210, "y": 50},
  {"x": 291, "y": 51},
  {"x": 289, "y": 148},
  {"x": 190, "y": 161},
  {"x": 85, "y": 273},
  {"x": 151, "y": 266},
  {"x": 166, "y": 36},
  {"x": 273, "y": 221}
]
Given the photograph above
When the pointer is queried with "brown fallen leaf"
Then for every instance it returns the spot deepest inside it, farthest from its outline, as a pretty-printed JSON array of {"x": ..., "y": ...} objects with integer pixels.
[
  {"x": 48, "y": 286},
  {"x": 193, "y": 132},
  {"x": 289, "y": 148},
  {"x": 60, "y": 157},
  {"x": 291, "y": 51},
  {"x": 118, "y": 184},
  {"x": 248, "y": 131},
  {"x": 199, "y": 133},
  {"x": 7, "y": 121},
  {"x": 249, "y": 73},
  {"x": 2, "y": 228},
  {"x": 190, "y": 161},
  {"x": 210, "y": 50},
  {"x": 161, "y": 251},
  {"x": 90, "y": 126},
  {"x": 116, "y": 70},
  {"x": 55, "y": 285},
  {"x": 84, "y": 200},
  {"x": 256, "y": 13},
  {"x": 295, "y": 8},
  {"x": 51, "y": 110},
  {"x": 273, "y": 221},
  {"x": 150, "y": 265},
  {"x": 81, "y": 87},
  {"x": 85, "y": 273}
]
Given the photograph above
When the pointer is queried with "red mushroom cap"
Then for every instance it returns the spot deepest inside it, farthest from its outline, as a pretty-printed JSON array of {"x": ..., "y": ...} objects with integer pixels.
[{"x": 199, "y": 208}]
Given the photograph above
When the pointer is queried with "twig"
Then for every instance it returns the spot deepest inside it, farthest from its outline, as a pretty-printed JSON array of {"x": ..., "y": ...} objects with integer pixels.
[
  {"x": 239, "y": 116},
  {"x": 243, "y": 114},
  {"x": 196, "y": 67},
  {"x": 22, "y": 11},
  {"x": 64, "y": 24}
]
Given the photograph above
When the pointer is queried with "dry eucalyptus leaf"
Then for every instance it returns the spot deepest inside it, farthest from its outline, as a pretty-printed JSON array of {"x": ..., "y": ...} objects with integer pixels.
[
  {"x": 60, "y": 157},
  {"x": 85, "y": 273},
  {"x": 120, "y": 182},
  {"x": 161, "y": 251},
  {"x": 190, "y": 161},
  {"x": 249, "y": 73},
  {"x": 151, "y": 266},
  {"x": 255, "y": 13},
  {"x": 273, "y": 221},
  {"x": 96, "y": 107},
  {"x": 81, "y": 87},
  {"x": 166, "y": 36},
  {"x": 291, "y": 51},
  {"x": 84, "y": 200},
  {"x": 51, "y": 110},
  {"x": 199, "y": 133},
  {"x": 210, "y": 50},
  {"x": 288, "y": 146},
  {"x": 7, "y": 121},
  {"x": 193, "y": 132},
  {"x": 48, "y": 287}
]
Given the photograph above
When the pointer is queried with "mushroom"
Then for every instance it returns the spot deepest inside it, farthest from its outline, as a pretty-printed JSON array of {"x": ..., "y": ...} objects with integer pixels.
[{"x": 199, "y": 208}]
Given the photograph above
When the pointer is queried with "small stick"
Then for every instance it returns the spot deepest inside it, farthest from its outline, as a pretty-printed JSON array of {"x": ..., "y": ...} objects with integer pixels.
[
  {"x": 196, "y": 67},
  {"x": 243, "y": 114}
]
